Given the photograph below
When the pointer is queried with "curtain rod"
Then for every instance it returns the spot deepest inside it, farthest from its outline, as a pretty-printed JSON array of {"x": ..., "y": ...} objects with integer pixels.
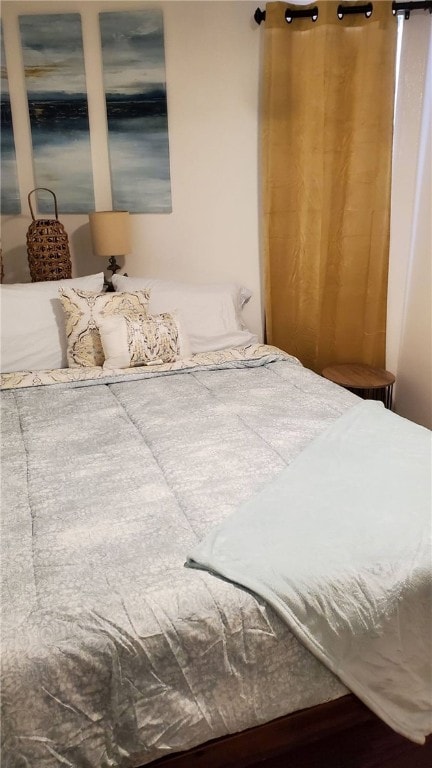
[
  {"x": 345, "y": 10},
  {"x": 426, "y": 5}
]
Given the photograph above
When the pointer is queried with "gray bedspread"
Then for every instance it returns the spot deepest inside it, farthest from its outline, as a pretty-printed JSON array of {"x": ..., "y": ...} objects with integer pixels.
[{"x": 114, "y": 653}]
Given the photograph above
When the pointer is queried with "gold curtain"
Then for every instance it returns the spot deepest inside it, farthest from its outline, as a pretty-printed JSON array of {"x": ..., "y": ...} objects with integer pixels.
[{"x": 327, "y": 132}]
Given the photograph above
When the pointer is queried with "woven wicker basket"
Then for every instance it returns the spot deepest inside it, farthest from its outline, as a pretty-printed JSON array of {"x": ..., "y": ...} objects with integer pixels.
[{"x": 47, "y": 246}]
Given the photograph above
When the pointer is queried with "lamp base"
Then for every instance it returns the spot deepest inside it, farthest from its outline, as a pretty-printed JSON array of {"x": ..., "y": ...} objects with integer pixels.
[{"x": 112, "y": 265}]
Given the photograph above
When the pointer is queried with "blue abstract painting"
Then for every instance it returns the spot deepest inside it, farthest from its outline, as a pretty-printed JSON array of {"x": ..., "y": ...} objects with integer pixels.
[
  {"x": 134, "y": 77},
  {"x": 56, "y": 91},
  {"x": 10, "y": 199}
]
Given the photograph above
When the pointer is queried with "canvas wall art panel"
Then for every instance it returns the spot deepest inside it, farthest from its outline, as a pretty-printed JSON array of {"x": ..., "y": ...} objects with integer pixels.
[
  {"x": 56, "y": 90},
  {"x": 135, "y": 87},
  {"x": 10, "y": 198}
]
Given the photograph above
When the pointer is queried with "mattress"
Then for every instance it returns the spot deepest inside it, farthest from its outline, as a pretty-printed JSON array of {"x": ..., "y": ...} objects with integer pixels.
[{"x": 113, "y": 652}]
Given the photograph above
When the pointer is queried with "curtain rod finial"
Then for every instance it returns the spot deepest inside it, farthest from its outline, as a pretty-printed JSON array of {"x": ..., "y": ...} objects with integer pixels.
[{"x": 259, "y": 15}]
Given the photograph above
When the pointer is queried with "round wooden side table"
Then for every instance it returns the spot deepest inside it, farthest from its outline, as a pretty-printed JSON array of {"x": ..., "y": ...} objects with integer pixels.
[{"x": 363, "y": 380}]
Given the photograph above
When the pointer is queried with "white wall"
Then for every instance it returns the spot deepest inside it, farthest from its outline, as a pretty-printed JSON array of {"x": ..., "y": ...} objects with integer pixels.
[
  {"x": 212, "y": 54},
  {"x": 409, "y": 321}
]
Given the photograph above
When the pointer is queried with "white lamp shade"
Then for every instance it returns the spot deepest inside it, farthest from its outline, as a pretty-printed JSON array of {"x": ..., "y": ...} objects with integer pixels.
[{"x": 110, "y": 233}]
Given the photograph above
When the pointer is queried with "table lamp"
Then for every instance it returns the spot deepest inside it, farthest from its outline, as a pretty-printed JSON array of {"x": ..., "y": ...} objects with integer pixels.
[{"x": 110, "y": 235}]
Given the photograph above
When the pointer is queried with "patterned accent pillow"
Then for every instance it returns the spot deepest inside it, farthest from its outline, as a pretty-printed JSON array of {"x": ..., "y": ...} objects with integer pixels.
[
  {"x": 133, "y": 339},
  {"x": 81, "y": 308}
]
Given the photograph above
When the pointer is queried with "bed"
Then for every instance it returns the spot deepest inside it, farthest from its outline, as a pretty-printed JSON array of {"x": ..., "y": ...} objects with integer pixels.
[{"x": 113, "y": 652}]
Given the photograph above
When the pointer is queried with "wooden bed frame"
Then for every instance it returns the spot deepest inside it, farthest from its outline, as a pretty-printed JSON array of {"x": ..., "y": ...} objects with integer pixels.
[{"x": 342, "y": 733}]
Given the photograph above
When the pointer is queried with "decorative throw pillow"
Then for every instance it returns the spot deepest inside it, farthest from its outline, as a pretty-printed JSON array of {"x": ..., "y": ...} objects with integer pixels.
[
  {"x": 81, "y": 308},
  {"x": 131, "y": 339}
]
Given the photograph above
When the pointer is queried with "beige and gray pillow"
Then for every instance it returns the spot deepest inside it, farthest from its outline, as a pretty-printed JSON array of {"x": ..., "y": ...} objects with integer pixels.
[
  {"x": 84, "y": 310},
  {"x": 134, "y": 339}
]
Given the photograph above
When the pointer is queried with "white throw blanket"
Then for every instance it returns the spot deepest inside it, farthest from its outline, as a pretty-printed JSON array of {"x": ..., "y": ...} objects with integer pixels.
[{"x": 340, "y": 545}]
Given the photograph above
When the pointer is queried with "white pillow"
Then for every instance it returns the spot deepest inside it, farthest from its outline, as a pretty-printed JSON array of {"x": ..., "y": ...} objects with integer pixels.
[
  {"x": 33, "y": 334},
  {"x": 211, "y": 312},
  {"x": 135, "y": 339}
]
